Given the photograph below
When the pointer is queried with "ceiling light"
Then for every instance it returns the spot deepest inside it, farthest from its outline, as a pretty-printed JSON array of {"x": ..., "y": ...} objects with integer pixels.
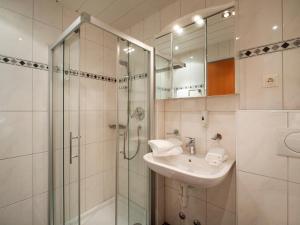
[
  {"x": 176, "y": 47},
  {"x": 237, "y": 38},
  {"x": 199, "y": 20},
  {"x": 178, "y": 29},
  {"x": 275, "y": 27},
  {"x": 226, "y": 14},
  {"x": 128, "y": 50},
  {"x": 20, "y": 39},
  {"x": 191, "y": 57},
  {"x": 233, "y": 13}
]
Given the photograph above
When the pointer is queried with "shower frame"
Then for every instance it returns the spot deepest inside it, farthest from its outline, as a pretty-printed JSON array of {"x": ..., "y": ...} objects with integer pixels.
[{"x": 86, "y": 18}]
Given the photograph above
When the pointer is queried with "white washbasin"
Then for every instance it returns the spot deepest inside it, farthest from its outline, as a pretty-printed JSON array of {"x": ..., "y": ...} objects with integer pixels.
[{"x": 193, "y": 170}]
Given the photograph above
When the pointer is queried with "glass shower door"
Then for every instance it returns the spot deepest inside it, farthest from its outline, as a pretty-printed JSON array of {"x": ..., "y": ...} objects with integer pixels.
[
  {"x": 133, "y": 120},
  {"x": 66, "y": 135}
]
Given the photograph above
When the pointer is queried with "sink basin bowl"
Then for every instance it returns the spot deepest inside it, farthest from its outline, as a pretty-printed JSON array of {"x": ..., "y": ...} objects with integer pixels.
[{"x": 193, "y": 170}]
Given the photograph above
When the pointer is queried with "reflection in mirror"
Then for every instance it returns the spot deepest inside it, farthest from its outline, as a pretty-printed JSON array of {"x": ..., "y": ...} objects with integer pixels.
[
  {"x": 189, "y": 62},
  {"x": 163, "y": 69},
  {"x": 163, "y": 77},
  {"x": 220, "y": 53}
]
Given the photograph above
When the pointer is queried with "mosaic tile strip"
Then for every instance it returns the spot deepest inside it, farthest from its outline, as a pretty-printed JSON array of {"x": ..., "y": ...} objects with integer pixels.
[
  {"x": 275, "y": 47},
  {"x": 134, "y": 77},
  {"x": 163, "y": 89},
  {"x": 197, "y": 86},
  {"x": 22, "y": 62}
]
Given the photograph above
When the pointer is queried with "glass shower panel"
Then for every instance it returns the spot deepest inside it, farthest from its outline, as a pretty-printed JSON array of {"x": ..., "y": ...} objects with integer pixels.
[
  {"x": 138, "y": 133},
  {"x": 71, "y": 129},
  {"x": 65, "y": 117},
  {"x": 122, "y": 164}
]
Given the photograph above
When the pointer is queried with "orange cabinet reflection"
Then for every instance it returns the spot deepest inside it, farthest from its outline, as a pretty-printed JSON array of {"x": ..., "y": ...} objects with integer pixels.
[{"x": 221, "y": 77}]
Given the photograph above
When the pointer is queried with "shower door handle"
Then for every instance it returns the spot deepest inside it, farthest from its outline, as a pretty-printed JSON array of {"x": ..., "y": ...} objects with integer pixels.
[{"x": 71, "y": 147}]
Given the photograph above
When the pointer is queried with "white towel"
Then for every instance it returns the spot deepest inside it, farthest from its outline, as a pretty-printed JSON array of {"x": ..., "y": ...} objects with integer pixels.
[
  {"x": 216, "y": 156},
  {"x": 163, "y": 145},
  {"x": 174, "y": 151}
]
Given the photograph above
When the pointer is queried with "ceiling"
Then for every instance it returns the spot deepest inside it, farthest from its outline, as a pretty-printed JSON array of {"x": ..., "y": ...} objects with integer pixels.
[{"x": 118, "y": 13}]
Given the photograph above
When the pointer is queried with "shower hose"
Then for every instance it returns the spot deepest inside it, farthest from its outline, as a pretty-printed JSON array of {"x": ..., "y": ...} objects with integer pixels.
[{"x": 138, "y": 145}]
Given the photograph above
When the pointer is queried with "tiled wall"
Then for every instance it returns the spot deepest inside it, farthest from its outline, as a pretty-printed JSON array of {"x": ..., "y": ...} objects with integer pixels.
[
  {"x": 267, "y": 184},
  {"x": 27, "y": 28},
  {"x": 214, "y": 205}
]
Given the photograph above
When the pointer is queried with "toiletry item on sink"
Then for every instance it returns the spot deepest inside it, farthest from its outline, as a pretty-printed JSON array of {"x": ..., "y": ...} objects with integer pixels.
[
  {"x": 162, "y": 148},
  {"x": 215, "y": 156}
]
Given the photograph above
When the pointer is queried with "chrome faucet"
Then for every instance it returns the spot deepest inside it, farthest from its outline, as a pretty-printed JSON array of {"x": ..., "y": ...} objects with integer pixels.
[{"x": 191, "y": 145}]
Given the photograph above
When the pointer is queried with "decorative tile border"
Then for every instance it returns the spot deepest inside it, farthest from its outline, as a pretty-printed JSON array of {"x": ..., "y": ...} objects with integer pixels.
[
  {"x": 42, "y": 66},
  {"x": 197, "y": 86},
  {"x": 22, "y": 62},
  {"x": 275, "y": 47}
]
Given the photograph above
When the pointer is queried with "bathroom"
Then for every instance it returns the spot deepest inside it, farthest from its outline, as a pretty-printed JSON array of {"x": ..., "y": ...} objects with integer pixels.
[{"x": 87, "y": 87}]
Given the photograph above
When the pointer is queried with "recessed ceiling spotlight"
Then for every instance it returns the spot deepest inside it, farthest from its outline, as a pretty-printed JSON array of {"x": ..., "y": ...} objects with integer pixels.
[
  {"x": 237, "y": 38},
  {"x": 176, "y": 47},
  {"x": 178, "y": 29},
  {"x": 226, "y": 14},
  {"x": 199, "y": 20},
  {"x": 128, "y": 50},
  {"x": 191, "y": 57},
  {"x": 20, "y": 39},
  {"x": 275, "y": 27},
  {"x": 233, "y": 13}
]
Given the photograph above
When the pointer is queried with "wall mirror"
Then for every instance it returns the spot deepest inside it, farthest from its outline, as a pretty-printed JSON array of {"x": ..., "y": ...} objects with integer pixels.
[{"x": 198, "y": 59}]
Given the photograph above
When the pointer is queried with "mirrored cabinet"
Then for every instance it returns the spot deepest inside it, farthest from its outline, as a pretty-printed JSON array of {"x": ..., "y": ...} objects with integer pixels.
[{"x": 198, "y": 59}]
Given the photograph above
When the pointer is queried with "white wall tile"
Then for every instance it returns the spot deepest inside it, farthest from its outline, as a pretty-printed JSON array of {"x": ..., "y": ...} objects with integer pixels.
[
  {"x": 24, "y": 7},
  {"x": 15, "y": 134},
  {"x": 291, "y": 19},
  {"x": 172, "y": 206},
  {"x": 223, "y": 195},
  {"x": 93, "y": 191},
  {"x": 15, "y": 88},
  {"x": 173, "y": 105},
  {"x": 40, "y": 209},
  {"x": 43, "y": 36},
  {"x": 291, "y": 79},
  {"x": 219, "y": 216},
  {"x": 190, "y": 6},
  {"x": 225, "y": 124},
  {"x": 94, "y": 123},
  {"x": 261, "y": 200},
  {"x": 16, "y": 33},
  {"x": 193, "y": 104},
  {"x": 48, "y": 12},
  {"x": 40, "y": 90},
  {"x": 256, "y": 145},
  {"x": 172, "y": 122},
  {"x": 255, "y": 21},
  {"x": 294, "y": 163},
  {"x": 196, "y": 210},
  {"x": 19, "y": 213},
  {"x": 40, "y": 132},
  {"x": 293, "y": 203},
  {"x": 223, "y": 103},
  {"x": 94, "y": 154},
  {"x": 169, "y": 14},
  {"x": 252, "y": 71},
  {"x": 15, "y": 179},
  {"x": 191, "y": 127},
  {"x": 40, "y": 173}
]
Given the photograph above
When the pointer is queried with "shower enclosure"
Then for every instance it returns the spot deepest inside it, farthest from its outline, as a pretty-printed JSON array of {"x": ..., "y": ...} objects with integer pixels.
[{"x": 101, "y": 111}]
